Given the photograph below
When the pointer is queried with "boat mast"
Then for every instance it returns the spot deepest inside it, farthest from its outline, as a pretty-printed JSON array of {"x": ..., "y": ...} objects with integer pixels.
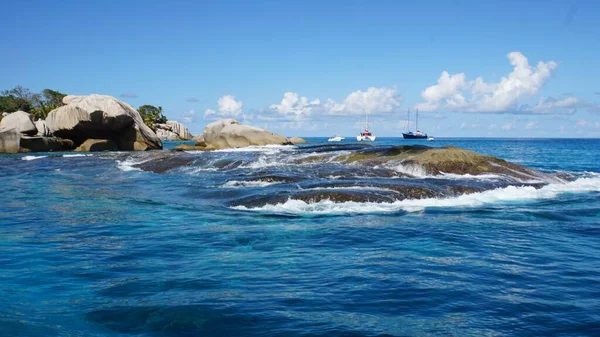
[
  {"x": 408, "y": 125},
  {"x": 417, "y": 120},
  {"x": 366, "y": 120}
]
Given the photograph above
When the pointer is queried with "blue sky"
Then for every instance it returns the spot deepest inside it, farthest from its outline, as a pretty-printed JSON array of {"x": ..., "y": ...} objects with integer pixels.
[{"x": 313, "y": 68}]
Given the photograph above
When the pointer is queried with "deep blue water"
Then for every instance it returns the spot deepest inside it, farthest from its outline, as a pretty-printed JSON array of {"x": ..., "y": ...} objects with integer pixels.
[{"x": 93, "y": 246}]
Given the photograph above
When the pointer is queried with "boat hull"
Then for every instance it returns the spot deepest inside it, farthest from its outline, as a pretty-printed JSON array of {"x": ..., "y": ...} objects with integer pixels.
[
  {"x": 366, "y": 138},
  {"x": 413, "y": 136}
]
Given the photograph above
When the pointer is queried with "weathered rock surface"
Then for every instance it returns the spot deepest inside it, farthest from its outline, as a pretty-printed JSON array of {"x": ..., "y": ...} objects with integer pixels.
[
  {"x": 296, "y": 140},
  {"x": 42, "y": 128},
  {"x": 229, "y": 133},
  {"x": 173, "y": 130},
  {"x": 45, "y": 144},
  {"x": 101, "y": 117},
  {"x": 97, "y": 145},
  {"x": 20, "y": 121},
  {"x": 10, "y": 140},
  {"x": 436, "y": 161}
]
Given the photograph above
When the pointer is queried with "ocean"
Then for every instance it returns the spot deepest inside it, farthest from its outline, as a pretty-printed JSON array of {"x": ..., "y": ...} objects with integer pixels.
[{"x": 230, "y": 243}]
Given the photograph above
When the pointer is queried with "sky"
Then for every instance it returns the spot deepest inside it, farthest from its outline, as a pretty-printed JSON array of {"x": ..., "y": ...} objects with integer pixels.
[{"x": 315, "y": 68}]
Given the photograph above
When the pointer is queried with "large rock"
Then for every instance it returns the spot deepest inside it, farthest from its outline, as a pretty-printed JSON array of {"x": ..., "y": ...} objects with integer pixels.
[
  {"x": 42, "y": 128},
  {"x": 96, "y": 145},
  {"x": 10, "y": 140},
  {"x": 21, "y": 121},
  {"x": 45, "y": 144},
  {"x": 435, "y": 161},
  {"x": 229, "y": 133},
  {"x": 296, "y": 140},
  {"x": 173, "y": 130},
  {"x": 101, "y": 117}
]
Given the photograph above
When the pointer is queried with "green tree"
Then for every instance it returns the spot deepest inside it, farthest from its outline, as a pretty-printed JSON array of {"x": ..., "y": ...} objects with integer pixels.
[
  {"x": 152, "y": 115},
  {"x": 45, "y": 102},
  {"x": 15, "y": 99}
]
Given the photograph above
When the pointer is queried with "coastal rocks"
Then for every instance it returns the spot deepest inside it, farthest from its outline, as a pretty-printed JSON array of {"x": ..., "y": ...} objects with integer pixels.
[
  {"x": 296, "y": 140},
  {"x": 42, "y": 128},
  {"x": 10, "y": 140},
  {"x": 229, "y": 133},
  {"x": 102, "y": 117},
  {"x": 97, "y": 145},
  {"x": 20, "y": 121},
  {"x": 173, "y": 130},
  {"x": 434, "y": 161},
  {"x": 45, "y": 144}
]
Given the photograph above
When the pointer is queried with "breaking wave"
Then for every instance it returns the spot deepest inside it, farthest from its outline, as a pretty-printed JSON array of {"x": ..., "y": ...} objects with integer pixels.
[
  {"x": 28, "y": 158},
  {"x": 506, "y": 194}
]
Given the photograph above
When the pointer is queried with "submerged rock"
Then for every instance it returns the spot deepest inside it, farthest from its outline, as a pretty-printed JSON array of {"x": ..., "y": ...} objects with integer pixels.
[
  {"x": 162, "y": 162},
  {"x": 20, "y": 121},
  {"x": 435, "y": 161}
]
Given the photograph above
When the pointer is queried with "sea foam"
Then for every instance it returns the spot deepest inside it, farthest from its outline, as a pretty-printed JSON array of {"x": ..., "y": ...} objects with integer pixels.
[{"x": 506, "y": 194}]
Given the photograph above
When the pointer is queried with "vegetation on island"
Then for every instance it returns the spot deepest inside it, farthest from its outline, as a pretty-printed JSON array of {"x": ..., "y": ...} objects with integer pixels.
[{"x": 39, "y": 105}]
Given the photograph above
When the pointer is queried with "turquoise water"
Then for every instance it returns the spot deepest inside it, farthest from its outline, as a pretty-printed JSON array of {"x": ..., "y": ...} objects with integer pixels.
[{"x": 100, "y": 245}]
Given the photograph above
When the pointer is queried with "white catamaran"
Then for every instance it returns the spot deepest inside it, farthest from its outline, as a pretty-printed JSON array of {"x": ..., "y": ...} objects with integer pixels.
[{"x": 366, "y": 135}]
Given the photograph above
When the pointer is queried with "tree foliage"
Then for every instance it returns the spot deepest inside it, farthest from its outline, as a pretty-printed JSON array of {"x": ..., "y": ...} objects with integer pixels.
[
  {"x": 38, "y": 105},
  {"x": 152, "y": 115}
]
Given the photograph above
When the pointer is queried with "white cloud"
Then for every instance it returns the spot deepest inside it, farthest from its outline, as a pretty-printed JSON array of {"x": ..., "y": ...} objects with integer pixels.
[
  {"x": 509, "y": 126},
  {"x": 532, "y": 125},
  {"x": 227, "y": 106},
  {"x": 455, "y": 93},
  {"x": 373, "y": 100},
  {"x": 553, "y": 106},
  {"x": 582, "y": 123},
  {"x": 293, "y": 104}
]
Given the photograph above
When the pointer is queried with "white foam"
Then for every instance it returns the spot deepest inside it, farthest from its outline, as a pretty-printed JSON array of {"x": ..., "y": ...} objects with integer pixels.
[
  {"x": 247, "y": 183},
  {"x": 414, "y": 170},
  {"x": 351, "y": 188},
  {"x": 127, "y": 165},
  {"x": 507, "y": 194},
  {"x": 265, "y": 148},
  {"x": 33, "y": 157},
  {"x": 77, "y": 155}
]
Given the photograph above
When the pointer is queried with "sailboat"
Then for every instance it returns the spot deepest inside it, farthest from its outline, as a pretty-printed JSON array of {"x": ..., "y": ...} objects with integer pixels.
[
  {"x": 366, "y": 135},
  {"x": 414, "y": 135}
]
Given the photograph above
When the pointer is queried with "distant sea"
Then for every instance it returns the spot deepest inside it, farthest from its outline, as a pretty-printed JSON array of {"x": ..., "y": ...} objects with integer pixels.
[{"x": 91, "y": 245}]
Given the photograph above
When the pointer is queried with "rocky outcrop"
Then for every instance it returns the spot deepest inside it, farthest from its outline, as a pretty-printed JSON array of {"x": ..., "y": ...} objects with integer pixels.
[
  {"x": 97, "y": 145},
  {"x": 173, "y": 130},
  {"x": 45, "y": 144},
  {"x": 102, "y": 117},
  {"x": 434, "y": 161},
  {"x": 10, "y": 140},
  {"x": 296, "y": 140},
  {"x": 229, "y": 133},
  {"x": 42, "y": 128},
  {"x": 20, "y": 121}
]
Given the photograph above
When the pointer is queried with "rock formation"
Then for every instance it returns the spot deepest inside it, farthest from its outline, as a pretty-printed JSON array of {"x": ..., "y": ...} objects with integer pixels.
[
  {"x": 173, "y": 130},
  {"x": 229, "y": 133},
  {"x": 20, "y": 121},
  {"x": 102, "y": 117}
]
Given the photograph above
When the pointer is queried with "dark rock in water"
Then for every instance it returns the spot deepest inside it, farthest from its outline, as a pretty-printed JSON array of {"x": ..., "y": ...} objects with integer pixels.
[
  {"x": 165, "y": 161},
  {"x": 441, "y": 160},
  {"x": 228, "y": 163},
  {"x": 414, "y": 192},
  {"x": 97, "y": 145},
  {"x": 275, "y": 179},
  {"x": 45, "y": 144}
]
